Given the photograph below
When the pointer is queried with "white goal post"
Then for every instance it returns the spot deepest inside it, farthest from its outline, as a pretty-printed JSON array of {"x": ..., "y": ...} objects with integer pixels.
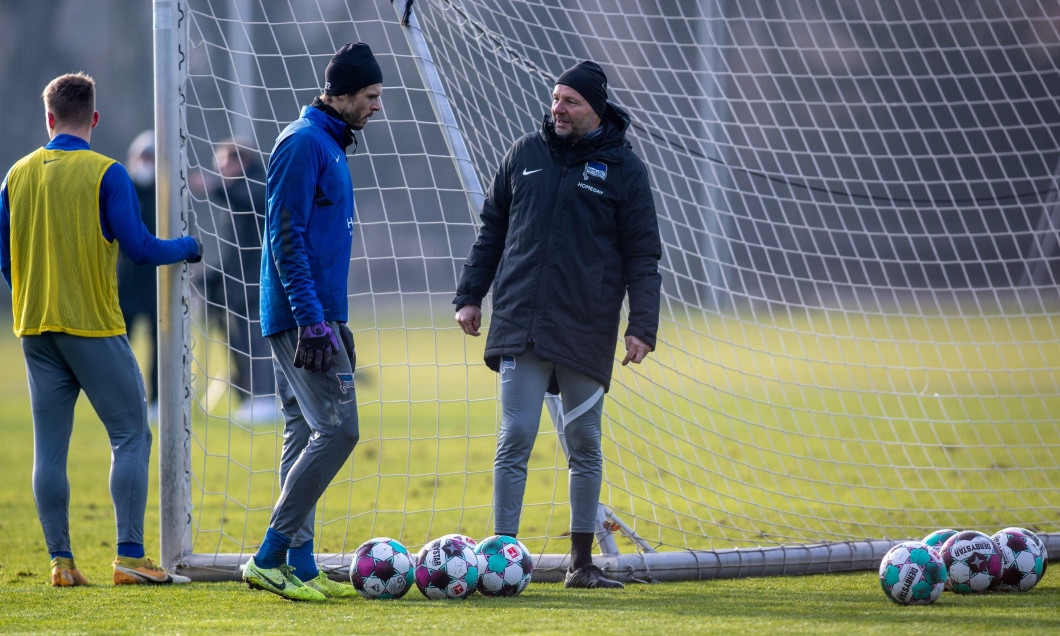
[{"x": 860, "y": 329}]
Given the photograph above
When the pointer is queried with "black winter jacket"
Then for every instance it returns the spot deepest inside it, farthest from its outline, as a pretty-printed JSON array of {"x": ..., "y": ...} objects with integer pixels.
[{"x": 567, "y": 230}]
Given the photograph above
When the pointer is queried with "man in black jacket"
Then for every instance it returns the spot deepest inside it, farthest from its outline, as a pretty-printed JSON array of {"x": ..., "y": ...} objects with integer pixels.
[{"x": 568, "y": 229}]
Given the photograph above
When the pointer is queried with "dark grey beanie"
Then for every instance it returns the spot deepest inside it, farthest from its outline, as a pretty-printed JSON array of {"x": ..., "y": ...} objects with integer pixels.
[
  {"x": 352, "y": 68},
  {"x": 589, "y": 80}
]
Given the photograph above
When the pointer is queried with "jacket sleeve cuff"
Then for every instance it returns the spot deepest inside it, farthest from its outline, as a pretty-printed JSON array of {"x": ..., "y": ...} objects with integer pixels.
[{"x": 461, "y": 301}]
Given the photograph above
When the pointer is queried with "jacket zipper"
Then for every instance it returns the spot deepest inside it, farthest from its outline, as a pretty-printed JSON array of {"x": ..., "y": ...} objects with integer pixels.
[{"x": 548, "y": 250}]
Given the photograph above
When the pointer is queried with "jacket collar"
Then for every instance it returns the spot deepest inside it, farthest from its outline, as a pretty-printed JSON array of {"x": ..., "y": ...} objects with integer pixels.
[
  {"x": 612, "y": 138},
  {"x": 329, "y": 119}
]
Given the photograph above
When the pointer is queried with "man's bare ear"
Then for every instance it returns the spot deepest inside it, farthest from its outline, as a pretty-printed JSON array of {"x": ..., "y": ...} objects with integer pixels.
[{"x": 95, "y": 118}]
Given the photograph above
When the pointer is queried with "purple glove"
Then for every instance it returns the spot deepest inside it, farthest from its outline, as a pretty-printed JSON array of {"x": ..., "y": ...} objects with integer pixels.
[{"x": 316, "y": 343}]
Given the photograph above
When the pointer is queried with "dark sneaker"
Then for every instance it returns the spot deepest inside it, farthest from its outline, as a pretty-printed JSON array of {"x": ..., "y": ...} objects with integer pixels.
[{"x": 590, "y": 577}]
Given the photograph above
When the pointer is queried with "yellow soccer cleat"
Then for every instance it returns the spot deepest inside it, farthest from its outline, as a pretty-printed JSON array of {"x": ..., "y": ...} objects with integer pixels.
[
  {"x": 331, "y": 589},
  {"x": 130, "y": 571},
  {"x": 66, "y": 574}
]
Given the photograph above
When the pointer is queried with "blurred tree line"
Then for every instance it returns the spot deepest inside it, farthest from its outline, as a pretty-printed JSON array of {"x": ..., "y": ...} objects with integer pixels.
[{"x": 111, "y": 40}]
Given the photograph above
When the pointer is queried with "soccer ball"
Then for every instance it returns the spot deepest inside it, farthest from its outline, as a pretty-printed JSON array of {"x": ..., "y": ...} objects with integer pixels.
[
  {"x": 446, "y": 568},
  {"x": 912, "y": 573},
  {"x": 506, "y": 566},
  {"x": 472, "y": 544},
  {"x": 1041, "y": 544},
  {"x": 973, "y": 562},
  {"x": 462, "y": 537},
  {"x": 381, "y": 568},
  {"x": 1021, "y": 560},
  {"x": 938, "y": 537}
]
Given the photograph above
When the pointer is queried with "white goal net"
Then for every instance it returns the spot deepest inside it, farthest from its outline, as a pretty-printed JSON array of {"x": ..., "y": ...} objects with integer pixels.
[{"x": 859, "y": 338}]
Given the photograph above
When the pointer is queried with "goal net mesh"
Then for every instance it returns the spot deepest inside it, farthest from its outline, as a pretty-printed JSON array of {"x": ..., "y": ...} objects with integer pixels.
[{"x": 859, "y": 333}]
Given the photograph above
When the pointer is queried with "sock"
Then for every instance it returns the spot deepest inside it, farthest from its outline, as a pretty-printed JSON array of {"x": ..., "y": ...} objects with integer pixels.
[
  {"x": 273, "y": 550},
  {"x": 301, "y": 559},
  {"x": 581, "y": 549},
  {"x": 63, "y": 555},
  {"x": 131, "y": 550}
]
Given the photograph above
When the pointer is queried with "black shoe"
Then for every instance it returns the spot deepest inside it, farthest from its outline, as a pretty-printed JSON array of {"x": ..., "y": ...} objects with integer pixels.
[{"x": 589, "y": 577}]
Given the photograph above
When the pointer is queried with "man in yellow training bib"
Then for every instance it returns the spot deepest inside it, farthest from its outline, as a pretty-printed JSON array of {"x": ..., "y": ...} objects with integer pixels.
[{"x": 64, "y": 210}]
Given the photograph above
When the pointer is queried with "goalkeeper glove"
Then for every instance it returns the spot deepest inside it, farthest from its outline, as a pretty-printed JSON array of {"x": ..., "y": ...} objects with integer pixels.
[
  {"x": 347, "y": 341},
  {"x": 316, "y": 343}
]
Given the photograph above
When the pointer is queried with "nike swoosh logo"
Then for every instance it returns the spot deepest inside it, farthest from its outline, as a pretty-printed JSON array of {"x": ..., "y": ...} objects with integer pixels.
[
  {"x": 50, "y": 160},
  {"x": 530, "y": 172},
  {"x": 278, "y": 585}
]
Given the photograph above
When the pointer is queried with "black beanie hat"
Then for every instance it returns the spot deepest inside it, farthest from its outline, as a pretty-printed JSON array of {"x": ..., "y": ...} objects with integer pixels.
[
  {"x": 352, "y": 68},
  {"x": 589, "y": 80}
]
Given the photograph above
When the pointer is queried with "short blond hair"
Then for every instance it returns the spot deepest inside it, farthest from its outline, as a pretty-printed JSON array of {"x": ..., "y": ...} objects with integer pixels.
[{"x": 71, "y": 98}]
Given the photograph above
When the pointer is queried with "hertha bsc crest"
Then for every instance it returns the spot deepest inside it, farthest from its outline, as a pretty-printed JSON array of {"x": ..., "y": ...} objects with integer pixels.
[{"x": 594, "y": 169}]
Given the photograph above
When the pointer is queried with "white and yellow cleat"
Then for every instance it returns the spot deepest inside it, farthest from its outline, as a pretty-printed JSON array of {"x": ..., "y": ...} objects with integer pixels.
[
  {"x": 143, "y": 571},
  {"x": 66, "y": 574}
]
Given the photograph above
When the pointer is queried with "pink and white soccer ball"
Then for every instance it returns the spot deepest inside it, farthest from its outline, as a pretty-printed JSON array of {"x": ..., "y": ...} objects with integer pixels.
[
  {"x": 973, "y": 562},
  {"x": 381, "y": 568},
  {"x": 447, "y": 568},
  {"x": 462, "y": 537},
  {"x": 1022, "y": 564},
  {"x": 472, "y": 543},
  {"x": 1041, "y": 544}
]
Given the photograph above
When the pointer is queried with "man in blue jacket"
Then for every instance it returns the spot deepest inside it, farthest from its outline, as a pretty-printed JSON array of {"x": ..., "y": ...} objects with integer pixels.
[
  {"x": 304, "y": 269},
  {"x": 568, "y": 229}
]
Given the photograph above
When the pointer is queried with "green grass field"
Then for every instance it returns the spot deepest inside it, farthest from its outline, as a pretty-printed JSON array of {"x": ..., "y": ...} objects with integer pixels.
[
  {"x": 838, "y": 603},
  {"x": 741, "y": 431}
]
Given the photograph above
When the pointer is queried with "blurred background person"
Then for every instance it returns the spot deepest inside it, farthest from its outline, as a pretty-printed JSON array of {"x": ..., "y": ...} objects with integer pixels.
[
  {"x": 237, "y": 204},
  {"x": 138, "y": 284}
]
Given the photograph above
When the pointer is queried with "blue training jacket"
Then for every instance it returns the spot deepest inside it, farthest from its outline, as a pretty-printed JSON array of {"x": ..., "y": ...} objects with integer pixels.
[{"x": 305, "y": 260}]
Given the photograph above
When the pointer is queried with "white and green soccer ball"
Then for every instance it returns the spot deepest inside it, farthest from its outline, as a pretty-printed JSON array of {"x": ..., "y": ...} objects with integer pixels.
[
  {"x": 938, "y": 537},
  {"x": 506, "y": 566},
  {"x": 912, "y": 573}
]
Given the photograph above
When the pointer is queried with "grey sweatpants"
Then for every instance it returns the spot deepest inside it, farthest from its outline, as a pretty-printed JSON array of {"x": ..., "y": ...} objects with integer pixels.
[
  {"x": 320, "y": 432},
  {"x": 59, "y": 366},
  {"x": 524, "y": 380}
]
